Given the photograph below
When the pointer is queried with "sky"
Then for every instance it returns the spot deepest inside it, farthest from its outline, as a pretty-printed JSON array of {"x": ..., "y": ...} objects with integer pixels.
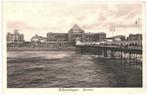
[{"x": 32, "y": 18}]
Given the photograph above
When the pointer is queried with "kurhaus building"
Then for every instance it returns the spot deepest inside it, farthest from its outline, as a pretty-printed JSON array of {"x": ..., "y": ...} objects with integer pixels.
[{"x": 74, "y": 33}]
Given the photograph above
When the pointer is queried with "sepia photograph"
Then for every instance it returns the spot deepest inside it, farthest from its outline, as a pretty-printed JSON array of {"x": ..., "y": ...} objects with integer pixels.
[{"x": 73, "y": 44}]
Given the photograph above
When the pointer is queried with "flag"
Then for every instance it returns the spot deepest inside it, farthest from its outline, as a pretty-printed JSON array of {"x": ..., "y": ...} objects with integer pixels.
[{"x": 138, "y": 21}]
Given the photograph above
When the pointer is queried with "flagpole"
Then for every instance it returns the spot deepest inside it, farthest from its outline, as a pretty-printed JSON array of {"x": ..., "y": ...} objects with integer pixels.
[
  {"x": 111, "y": 30},
  {"x": 138, "y": 24}
]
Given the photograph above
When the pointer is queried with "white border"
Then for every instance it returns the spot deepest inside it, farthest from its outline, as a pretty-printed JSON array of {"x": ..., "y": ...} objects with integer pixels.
[{"x": 40, "y": 91}]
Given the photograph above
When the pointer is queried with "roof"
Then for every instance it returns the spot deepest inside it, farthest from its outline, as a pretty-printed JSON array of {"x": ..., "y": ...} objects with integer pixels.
[
  {"x": 118, "y": 36},
  {"x": 76, "y": 27}
]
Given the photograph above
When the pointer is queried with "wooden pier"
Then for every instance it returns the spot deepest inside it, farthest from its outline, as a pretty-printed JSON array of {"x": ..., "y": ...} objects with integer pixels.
[{"x": 129, "y": 56}]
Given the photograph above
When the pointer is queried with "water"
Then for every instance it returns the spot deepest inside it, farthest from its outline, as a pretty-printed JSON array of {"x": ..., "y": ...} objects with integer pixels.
[{"x": 66, "y": 69}]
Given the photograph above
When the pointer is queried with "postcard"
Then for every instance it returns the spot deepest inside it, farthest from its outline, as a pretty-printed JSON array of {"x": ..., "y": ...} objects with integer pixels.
[{"x": 74, "y": 47}]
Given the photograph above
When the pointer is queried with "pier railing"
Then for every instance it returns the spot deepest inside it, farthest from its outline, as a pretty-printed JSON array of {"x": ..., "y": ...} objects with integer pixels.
[{"x": 125, "y": 53}]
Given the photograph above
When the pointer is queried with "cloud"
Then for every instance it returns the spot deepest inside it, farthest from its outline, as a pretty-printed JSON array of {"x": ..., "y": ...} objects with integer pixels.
[
  {"x": 18, "y": 25},
  {"x": 60, "y": 17}
]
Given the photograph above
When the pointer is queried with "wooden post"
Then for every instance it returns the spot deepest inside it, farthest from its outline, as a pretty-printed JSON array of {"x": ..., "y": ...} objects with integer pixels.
[
  {"x": 111, "y": 55},
  {"x": 105, "y": 53},
  {"x": 129, "y": 59},
  {"x": 121, "y": 57}
]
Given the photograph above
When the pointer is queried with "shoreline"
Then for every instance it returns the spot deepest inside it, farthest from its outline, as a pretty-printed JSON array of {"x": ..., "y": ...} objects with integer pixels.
[{"x": 40, "y": 49}]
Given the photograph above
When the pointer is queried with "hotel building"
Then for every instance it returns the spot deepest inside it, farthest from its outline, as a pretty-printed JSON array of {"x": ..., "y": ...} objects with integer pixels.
[{"x": 15, "y": 37}]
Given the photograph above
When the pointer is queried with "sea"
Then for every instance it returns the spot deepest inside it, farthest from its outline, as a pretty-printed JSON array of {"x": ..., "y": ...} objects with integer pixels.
[{"x": 54, "y": 69}]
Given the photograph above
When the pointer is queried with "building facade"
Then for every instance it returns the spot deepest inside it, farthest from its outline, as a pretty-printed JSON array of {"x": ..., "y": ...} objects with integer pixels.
[
  {"x": 15, "y": 37},
  {"x": 57, "y": 37},
  {"x": 119, "y": 38},
  {"x": 90, "y": 37},
  {"x": 74, "y": 33},
  {"x": 38, "y": 39},
  {"x": 101, "y": 36},
  {"x": 58, "y": 40},
  {"x": 135, "y": 37}
]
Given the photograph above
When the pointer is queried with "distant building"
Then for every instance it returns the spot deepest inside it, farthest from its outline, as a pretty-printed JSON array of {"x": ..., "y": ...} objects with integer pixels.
[
  {"x": 57, "y": 37},
  {"x": 135, "y": 40},
  {"x": 101, "y": 36},
  {"x": 109, "y": 39},
  {"x": 135, "y": 37},
  {"x": 75, "y": 32},
  {"x": 38, "y": 39},
  {"x": 119, "y": 38},
  {"x": 15, "y": 37},
  {"x": 90, "y": 37},
  {"x": 57, "y": 40}
]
